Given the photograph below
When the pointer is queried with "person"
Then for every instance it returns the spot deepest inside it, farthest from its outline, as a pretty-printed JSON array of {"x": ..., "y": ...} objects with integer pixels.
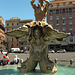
[
  {"x": 7, "y": 51},
  {"x": 1, "y": 52},
  {"x": 4, "y": 61},
  {"x": 7, "y": 57},
  {"x": 0, "y": 61},
  {"x": 41, "y": 9},
  {"x": 16, "y": 59}
]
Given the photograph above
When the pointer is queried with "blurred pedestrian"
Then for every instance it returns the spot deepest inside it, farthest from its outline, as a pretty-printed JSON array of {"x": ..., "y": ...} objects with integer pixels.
[
  {"x": 16, "y": 59},
  {"x": 0, "y": 61},
  {"x": 1, "y": 52},
  {"x": 7, "y": 57},
  {"x": 4, "y": 61}
]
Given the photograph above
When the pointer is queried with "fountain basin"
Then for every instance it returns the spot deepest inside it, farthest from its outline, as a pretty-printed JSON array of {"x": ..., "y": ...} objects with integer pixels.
[{"x": 12, "y": 70}]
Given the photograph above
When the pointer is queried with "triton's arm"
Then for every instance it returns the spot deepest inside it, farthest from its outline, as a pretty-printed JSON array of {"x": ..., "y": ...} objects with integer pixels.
[
  {"x": 47, "y": 1},
  {"x": 32, "y": 3},
  {"x": 47, "y": 4}
]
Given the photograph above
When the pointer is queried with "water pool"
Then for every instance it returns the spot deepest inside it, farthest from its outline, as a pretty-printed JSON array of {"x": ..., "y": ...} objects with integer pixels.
[{"x": 12, "y": 70}]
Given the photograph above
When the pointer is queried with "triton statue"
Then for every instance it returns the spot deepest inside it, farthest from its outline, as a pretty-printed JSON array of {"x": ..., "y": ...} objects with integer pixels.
[
  {"x": 38, "y": 34},
  {"x": 41, "y": 9}
]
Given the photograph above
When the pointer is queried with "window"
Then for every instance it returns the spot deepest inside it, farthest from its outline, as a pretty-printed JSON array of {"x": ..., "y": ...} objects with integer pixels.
[
  {"x": 70, "y": 10},
  {"x": 21, "y": 24},
  {"x": 57, "y": 11},
  {"x": 12, "y": 24},
  {"x": 21, "y": 48},
  {"x": 50, "y": 12},
  {"x": 21, "y": 43},
  {"x": 7, "y": 24},
  {"x": 64, "y": 4},
  {"x": 51, "y": 17},
  {"x": 63, "y": 10},
  {"x": 70, "y": 21},
  {"x": 51, "y": 22},
  {"x": 70, "y": 15},
  {"x": 57, "y": 17},
  {"x": 71, "y": 39},
  {"x": 12, "y": 45},
  {"x": 51, "y": 5},
  {"x": 63, "y": 16},
  {"x": 57, "y": 4},
  {"x": 7, "y": 29},
  {"x": 63, "y": 21},
  {"x": 64, "y": 27},
  {"x": 17, "y": 24},
  {"x": 71, "y": 47},
  {"x": 70, "y": 3},
  {"x": 57, "y": 22},
  {"x": 70, "y": 27},
  {"x": 17, "y": 44},
  {"x": 57, "y": 28},
  {"x": 12, "y": 28}
]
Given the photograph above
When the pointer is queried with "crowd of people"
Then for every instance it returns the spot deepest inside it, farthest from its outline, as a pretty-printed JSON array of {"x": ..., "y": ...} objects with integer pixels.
[{"x": 5, "y": 60}]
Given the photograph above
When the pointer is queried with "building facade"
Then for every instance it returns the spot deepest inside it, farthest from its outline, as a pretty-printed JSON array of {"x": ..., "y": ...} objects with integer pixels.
[
  {"x": 2, "y": 36},
  {"x": 61, "y": 15},
  {"x": 12, "y": 42}
]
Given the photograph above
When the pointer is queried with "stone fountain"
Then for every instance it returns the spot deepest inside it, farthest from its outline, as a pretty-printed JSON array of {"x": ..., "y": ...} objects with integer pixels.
[{"x": 38, "y": 34}]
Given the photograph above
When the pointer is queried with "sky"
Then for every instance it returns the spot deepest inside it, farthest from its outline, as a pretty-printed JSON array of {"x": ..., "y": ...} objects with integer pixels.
[{"x": 17, "y": 8}]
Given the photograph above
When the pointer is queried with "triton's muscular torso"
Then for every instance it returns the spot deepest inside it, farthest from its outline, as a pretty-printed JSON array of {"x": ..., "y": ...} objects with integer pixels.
[
  {"x": 40, "y": 14},
  {"x": 40, "y": 10},
  {"x": 38, "y": 45}
]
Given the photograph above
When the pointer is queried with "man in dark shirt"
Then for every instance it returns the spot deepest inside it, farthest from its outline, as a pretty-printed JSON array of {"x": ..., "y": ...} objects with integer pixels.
[{"x": 4, "y": 60}]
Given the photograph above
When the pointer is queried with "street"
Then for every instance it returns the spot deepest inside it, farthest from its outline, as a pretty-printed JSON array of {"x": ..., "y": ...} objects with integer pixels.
[{"x": 62, "y": 58}]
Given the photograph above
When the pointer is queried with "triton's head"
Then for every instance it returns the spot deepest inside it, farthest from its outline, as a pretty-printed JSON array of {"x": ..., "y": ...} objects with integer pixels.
[
  {"x": 41, "y": 3},
  {"x": 37, "y": 31}
]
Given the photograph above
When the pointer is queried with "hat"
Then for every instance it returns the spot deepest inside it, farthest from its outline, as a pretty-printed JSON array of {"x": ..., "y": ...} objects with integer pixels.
[{"x": 4, "y": 56}]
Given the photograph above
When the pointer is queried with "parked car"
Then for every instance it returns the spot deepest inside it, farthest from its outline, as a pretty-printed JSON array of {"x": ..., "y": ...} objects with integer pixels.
[
  {"x": 4, "y": 52},
  {"x": 24, "y": 51},
  {"x": 51, "y": 51},
  {"x": 72, "y": 50},
  {"x": 15, "y": 50},
  {"x": 61, "y": 51},
  {"x": 21, "y": 51}
]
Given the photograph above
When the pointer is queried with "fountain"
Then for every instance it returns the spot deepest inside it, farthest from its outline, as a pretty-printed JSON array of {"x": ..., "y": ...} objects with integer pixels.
[
  {"x": 38, "y": 34},
  {"x": 12, "y": 70}
]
